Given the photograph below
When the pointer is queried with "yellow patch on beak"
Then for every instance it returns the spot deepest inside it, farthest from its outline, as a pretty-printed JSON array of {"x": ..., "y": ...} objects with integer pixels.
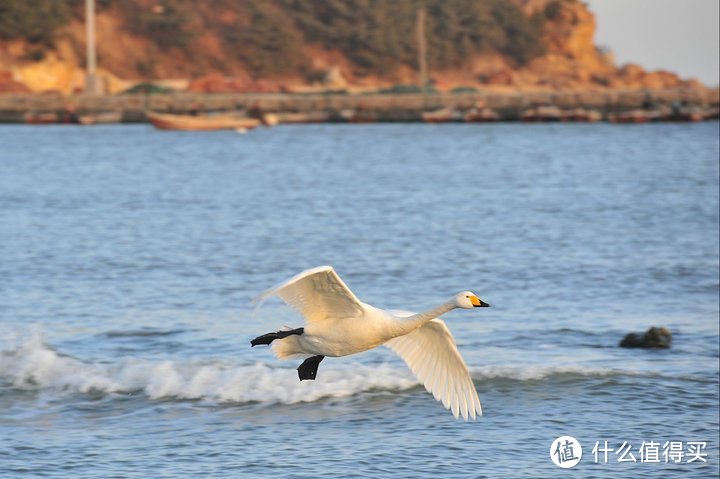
[{"x": 475, "y": 300}]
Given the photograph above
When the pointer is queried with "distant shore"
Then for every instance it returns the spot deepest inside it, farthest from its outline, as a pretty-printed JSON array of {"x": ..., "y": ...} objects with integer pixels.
[{"x": 627, "y": 106}]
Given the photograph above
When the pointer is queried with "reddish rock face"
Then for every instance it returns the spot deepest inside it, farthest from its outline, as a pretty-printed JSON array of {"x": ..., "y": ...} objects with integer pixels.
[
  {"x": 13, "y": 87},
  {"x": 9, "y": 85},
  {"x": 217, "y": 83},
  {"x": 572, "y": 60}
]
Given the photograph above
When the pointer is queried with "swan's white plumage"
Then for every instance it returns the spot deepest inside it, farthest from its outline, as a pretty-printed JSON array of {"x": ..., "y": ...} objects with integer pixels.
[
  {"x": 339, "y": 324},
  {"x": 431, "y": 354},
  {"x": 317, "y": 294}
]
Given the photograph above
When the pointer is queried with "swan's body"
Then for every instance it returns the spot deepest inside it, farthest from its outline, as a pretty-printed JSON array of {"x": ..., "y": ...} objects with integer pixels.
[{"x": 339, "y": 324}]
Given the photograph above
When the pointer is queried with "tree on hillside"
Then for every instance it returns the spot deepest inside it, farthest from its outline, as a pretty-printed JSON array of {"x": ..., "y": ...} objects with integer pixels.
[
  {"x": 269, "y": 36},
  {"x": 377, "y": 35},
  {"x": 33, "y": 20}
]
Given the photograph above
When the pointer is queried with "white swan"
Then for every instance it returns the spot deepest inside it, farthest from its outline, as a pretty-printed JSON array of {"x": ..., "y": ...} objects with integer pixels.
[{"x": 339, "y": 324}]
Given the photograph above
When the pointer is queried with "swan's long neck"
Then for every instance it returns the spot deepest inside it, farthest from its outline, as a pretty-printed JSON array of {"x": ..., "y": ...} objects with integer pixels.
[{"x": 413, "y": 322}]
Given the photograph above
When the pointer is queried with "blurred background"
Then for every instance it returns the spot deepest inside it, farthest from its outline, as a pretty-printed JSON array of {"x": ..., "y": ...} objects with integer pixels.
[
  {"x": 559, "y": 158},
  {"x": 357, "y": 45}
]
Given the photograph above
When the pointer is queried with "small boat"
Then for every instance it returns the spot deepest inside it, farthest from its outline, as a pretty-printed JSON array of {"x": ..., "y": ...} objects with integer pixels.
[
  {"x": 443, "y": 115},
  {"x": 685, "y": 115},
  {"x": 269, "y": 119},
  {"x": 362, "y": 115},
  {"x": 481, "y": 115},
  {"x": 582, "y": 115},
  {"x": 543, "y": 114},
  {"x": 348, "y": 115},
  {"x": 221, "y": 121},
  {"x": 105, "y": 117},
  {"x": 633, "y": 116},
  {"x": 42, "y": 118}
]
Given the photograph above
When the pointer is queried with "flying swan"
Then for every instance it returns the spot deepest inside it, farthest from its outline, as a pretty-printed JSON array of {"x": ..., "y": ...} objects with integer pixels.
[{"x": 339, "y": 324}]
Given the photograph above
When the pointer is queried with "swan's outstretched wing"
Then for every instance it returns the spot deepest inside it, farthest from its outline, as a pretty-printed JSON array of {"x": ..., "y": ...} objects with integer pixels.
[
  {"x": 317, "y": 293},
  {"x": 431, "y": 354}
]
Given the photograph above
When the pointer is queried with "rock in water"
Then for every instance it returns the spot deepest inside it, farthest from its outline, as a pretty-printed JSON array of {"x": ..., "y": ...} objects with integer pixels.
[{"x": 653, "y": 338}]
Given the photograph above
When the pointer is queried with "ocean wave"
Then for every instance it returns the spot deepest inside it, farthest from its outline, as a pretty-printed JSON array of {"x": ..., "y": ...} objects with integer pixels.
[
  {"x": 537, "y": 373},
  {"x": 33, "y": 365},
  {"x": 143, "y": 333}
]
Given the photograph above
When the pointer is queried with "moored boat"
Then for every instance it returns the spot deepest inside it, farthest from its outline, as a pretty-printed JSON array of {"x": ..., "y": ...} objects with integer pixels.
[
  {"x": 221, "y": 121},
  {"x": 633, "y": 116},
  {"x": 269, "y": 119},
  {"x": 685, "y": 115},
  {"x": 480, "y": 115},
  {"x": 105, "y": 117},
  {"x": 443, "y": 115},
  {"x": 542, "y": 113},
  {"x": 582, "y": 115},
  {"x": 42, "y": 118}
]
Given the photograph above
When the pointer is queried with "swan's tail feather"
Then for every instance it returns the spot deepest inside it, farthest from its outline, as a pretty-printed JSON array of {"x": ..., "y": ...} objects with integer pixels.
[{"x": 289, "y": 348}]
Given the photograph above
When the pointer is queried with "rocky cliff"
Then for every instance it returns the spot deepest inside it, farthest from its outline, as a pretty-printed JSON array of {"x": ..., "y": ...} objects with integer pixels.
[{"x": 291, "y": 45}]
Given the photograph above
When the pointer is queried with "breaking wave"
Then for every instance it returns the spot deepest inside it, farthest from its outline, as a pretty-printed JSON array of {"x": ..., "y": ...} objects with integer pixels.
[{"x": 33, "y": 365}]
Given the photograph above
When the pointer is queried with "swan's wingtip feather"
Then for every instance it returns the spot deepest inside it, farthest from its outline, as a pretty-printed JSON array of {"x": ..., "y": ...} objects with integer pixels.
[
  {"x": 269, "y": 292},
  {"x": 316, "y": 269}
]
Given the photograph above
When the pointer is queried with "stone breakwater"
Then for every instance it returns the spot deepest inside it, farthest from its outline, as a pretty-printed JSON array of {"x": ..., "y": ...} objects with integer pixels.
[{"x": 614, "y": 105}]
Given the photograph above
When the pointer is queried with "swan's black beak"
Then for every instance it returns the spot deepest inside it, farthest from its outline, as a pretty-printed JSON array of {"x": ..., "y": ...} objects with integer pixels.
[{"x": 478, "y": 303}]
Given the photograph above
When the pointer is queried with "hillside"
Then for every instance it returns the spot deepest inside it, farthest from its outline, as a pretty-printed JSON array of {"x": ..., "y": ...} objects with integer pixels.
[{"x": 297, "y": 45}]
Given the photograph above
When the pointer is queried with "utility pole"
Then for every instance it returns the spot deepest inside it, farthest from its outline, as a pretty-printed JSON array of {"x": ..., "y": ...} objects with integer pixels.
[
  {"x": 422, "y": 46},
  {"x": 92, "y": 85}
]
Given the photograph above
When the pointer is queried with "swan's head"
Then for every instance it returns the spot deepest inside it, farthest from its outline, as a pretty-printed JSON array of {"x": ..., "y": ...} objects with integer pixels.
[{"x": 469, "y": 300}]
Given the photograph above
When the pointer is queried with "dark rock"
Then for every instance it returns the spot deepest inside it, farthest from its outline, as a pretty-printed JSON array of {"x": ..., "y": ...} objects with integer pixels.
[{"x": 653, "y": 338}]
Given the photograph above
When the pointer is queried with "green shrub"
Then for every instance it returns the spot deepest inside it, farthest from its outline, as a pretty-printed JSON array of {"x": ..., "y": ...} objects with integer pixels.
[
  {"x": 376, "y": 36},
  {"x": 269, "y": 36},
  {"x": 404, "y": 89},
  {"x": 464, "y": 89},
  {"x": 552, "y": 10},
  {"x": 34, "y": 20},
  {"x": 267, "y": 43},
  {"x": 164, "y": 23},
  {"x": 147, "y": 88}
]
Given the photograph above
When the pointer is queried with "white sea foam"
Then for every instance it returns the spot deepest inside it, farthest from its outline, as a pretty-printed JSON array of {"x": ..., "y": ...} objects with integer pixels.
[
  {"x": 533, "y": 372},
  {"x": 30, "y": 364},
  {"x": 33, "y": 365}
]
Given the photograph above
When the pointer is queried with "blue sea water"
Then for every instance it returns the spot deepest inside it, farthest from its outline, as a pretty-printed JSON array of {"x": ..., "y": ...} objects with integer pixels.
[{"x": 129, "y": 256}]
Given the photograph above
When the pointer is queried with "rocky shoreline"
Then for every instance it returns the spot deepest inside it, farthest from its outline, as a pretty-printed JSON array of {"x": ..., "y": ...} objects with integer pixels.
[{"x": 619, "y": 106}]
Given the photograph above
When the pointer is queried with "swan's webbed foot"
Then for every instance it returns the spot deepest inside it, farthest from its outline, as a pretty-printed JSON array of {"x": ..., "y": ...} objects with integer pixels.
[
  {"x": 308, "y": 369},
  {"x": 270, "y": 337}
]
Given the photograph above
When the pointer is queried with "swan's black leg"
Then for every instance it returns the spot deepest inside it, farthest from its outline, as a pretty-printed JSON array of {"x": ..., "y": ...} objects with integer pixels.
[
  {"x": 308, "y": 369},
  {"x": 270, "y": 337}
]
